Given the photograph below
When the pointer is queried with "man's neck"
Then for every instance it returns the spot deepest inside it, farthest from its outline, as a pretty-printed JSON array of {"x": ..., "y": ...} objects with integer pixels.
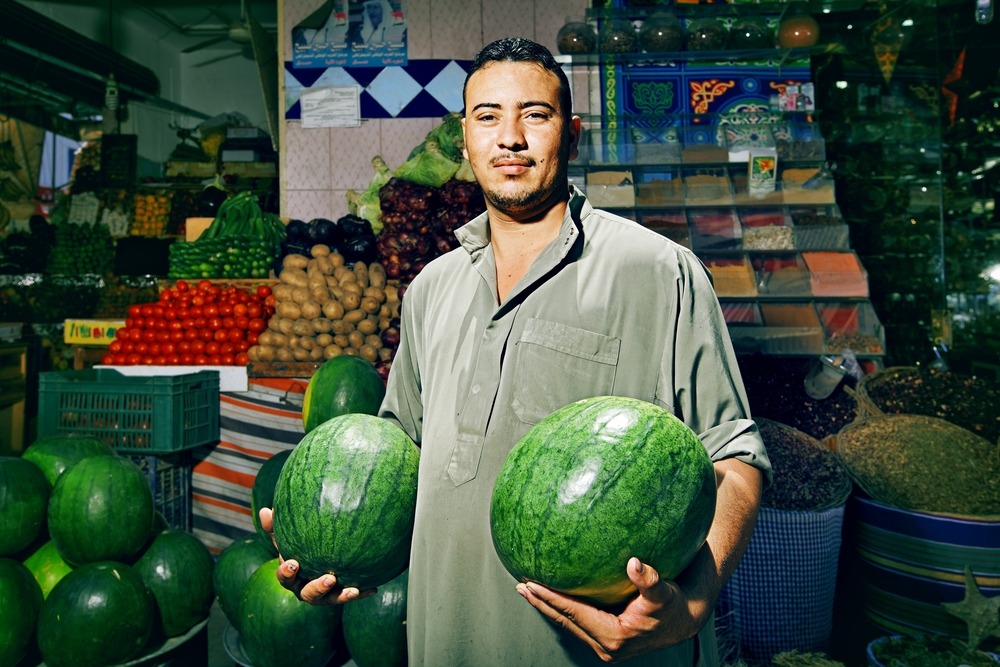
[{"x": 516, "y": 244}]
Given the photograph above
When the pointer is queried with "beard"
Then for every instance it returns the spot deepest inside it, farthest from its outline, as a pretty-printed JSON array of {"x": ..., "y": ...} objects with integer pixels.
[{"x": 525, "y": 196}]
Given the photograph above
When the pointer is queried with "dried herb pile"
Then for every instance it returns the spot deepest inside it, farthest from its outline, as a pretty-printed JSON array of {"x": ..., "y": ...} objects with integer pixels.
[
  {"x": 923, "y": 464},
  {"x": 807, "y": 477},
  {"x": 929, "y": 651},
  {"x": 968, "y": 401},
  {"x": 776, "y": 391}
]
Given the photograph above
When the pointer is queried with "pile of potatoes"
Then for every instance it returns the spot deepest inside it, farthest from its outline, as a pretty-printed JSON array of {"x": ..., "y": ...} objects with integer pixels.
[{"x": 325, "y": 308}]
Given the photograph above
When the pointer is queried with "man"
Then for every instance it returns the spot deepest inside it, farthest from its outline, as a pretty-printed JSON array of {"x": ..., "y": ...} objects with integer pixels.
[
  {"x": 548, "y": 301},
  {"x": 378, "y": 14}
]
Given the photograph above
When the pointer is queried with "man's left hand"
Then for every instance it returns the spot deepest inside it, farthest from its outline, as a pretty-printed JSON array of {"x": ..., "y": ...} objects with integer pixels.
[{"x": 659, "y": 616}]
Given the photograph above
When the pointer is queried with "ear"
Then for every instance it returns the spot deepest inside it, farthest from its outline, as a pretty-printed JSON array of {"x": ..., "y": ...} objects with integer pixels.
[
  {"x": 574, "y": 137},
  {"x": 465, "y": 151}
]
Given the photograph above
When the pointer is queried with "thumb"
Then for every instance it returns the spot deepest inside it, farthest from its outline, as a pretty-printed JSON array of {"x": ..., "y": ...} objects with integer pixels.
[{"x": 646, "y": 579}]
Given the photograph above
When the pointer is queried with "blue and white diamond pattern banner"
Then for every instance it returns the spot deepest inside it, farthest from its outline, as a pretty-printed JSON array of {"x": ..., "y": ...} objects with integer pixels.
[{"x": 419, "y": 89}]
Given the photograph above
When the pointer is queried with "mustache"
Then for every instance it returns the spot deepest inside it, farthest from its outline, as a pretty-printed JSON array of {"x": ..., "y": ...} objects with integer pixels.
[{"x": 512, "y": 157}]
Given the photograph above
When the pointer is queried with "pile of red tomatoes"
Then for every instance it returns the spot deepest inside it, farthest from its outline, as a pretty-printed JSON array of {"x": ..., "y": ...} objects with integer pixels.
[{"x": 200, "y": 324}]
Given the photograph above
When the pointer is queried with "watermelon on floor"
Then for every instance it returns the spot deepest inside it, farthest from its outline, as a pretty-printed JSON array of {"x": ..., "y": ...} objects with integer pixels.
[
  {"x": 342, "y": 385},
  {"x": 233, "y": 568},
  {"x": 177, "y": 569},
  {"x": 375, "y": 626},
  {"x": 53, "y": 454},
  {"x": 597, "y": 482},
  {"x": 20, "y": 603}
]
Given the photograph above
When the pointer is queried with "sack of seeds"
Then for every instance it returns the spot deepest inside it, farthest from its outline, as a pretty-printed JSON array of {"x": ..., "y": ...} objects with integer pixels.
[
  {"x": 807, "y": 476},
  {"x": 923, "y": 464}
]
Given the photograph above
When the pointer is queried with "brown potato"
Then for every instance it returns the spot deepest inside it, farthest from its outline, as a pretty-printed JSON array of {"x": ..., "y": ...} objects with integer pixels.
[
  {"x": 316, "y": 354},
  {"x": 302, "y": 327},
  {"x": 321, "y": 325},
  {"x": 343, "y": 275},
  {"x": 252, "y": 353},
  {"x": 376, "y": 293},
  {"x": 288, "y": 309},
  {"x": 266, "y": 353},
  {"x": 274, "y": 322},
  {"x": 336, "y": 259},
  {"x": 294, "y": 277},
  {"x": 311, "y": 310},
  {"x": 324, "y": 339},
  {"x": 341, "y": 327},
  {"x": 284, "y": 354},
  {"x": 300, "y": 354},
  {"x": 331, "y": 351},
  {"x": 355, "y": 316},
  {"x": 370, "y": 304},
  {"x": 285, "y": 325},
  {"x": 386, "y": 354},
  {"x": 376, "y": 275},
  {"x": 319, "y": 250},
  {"x": 350, "y": 351},
  {"x": 368, "y": 352},
  {"x": 361, "y": 273},
  {"x": 374, "y": 340},
  {"x": 333, "y": 310},
  {"x": 319, "y": 293},
  {"x": 350, "y": 300},
  {"x": 341, "y": 340},
  {"x": 301, "y": 294},
  {"x": 282, "y": 292},
  {"x": 279, "y": 339},
  {"x": 294, "y": 261},
  {"x": 307, "y": 342},
  {"x": 356, "y": 339}
]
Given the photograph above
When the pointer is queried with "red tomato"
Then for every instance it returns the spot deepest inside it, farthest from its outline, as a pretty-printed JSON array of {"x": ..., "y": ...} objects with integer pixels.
[
  {"x": 148, "y": 335},
  {"x": 221, "y": 334},
  {"x": 227, "y": 359},
  {"x": 211, "y": 348},
  {"x": 206, "y": 334},
  {"x": 214, "y": 323},
  {"x": 191, "y": 334},
  {"x": 211, "y": 310},
  {"x": 198, "y": 300},
  {"x": 168, "y": 348},
  {"x": 122, "y": 334},
  {"x": 240, "y": 310},
  {"x": 263, "y": 291},
  {"x": 183, "y": 347},
  {"x": 173, "y": 359},
  {"x": 225, "y": 309},
  {"x": 108, "y": 359},
  {"x": 135, "y": 335},
  {"x": 204, "y": 285},
  {"x": 253, "y": 337},
  {"x": 228, "y": 322},
  {"x": 135, "y": 310},
  {"x": 197, "y": 347},
  {"x": 115, "y": 346},
  {"x": 147, "y": 310},
  {"x": 187, "y": 359},
  {"x": 254, "y": 310},
  {"x": 236, "y": 335},
  {"x": 270, "y": 301},
  {"x": 243, "y": 345},
  {"x": 182, "y": 286},
  {"x": 257, "y": 325},
  {"x": 242, "y": 359},
  {"x": 133, "y": 359},
  {"x": 241, "y": 322}
]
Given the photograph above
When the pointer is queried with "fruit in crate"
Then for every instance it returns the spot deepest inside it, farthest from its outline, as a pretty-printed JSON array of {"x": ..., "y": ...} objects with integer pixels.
[
  {"x": 345, "y": 501},
  {"x": 101, "y": 509},
  {"x": 340, "y": 386},
  {"x": 193, "y": 324},
  {"x": 24, "y": 494},
  {"x": 98, "y": 614},
  {"x": 177, "y": 568},
  {"x": 277, "y": 630},
  {"x": 597, "y": 482}
]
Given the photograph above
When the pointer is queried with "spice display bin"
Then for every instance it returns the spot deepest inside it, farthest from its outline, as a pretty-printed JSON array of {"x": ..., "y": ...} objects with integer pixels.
[
  {"x": 851, "y": 326},
  {"x": 791, "y": 328},
  {"x": 133, "y": 414},
  {"x": 819, "y": 228},
  {"x": 781, "y": 274},
  {"x": 671, "y": 223}
]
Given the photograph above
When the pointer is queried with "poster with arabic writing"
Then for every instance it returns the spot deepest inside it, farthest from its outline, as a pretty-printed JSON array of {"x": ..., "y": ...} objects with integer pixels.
[{"x": 351, "y": 33}]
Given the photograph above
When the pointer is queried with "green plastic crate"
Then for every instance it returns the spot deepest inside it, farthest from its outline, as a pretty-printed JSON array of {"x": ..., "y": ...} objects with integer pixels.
[{"x": 139, "y": 414}]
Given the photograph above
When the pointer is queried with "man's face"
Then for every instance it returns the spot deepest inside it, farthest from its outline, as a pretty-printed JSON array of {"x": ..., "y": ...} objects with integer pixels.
[
  {"x": 517, "y": 137},
  {"x": 374, "y": 13}
]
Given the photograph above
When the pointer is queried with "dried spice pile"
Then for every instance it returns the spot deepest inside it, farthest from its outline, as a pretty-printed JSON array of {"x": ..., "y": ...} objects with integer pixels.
[
  {"x": 807, "y": 477},
  {"x": 970, "y": 402},
  {"x": 775, "y": 390},
  {"x": 924, "y": 464}
]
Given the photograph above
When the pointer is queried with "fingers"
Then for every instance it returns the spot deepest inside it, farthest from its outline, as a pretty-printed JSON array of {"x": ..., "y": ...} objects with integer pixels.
[
  {"x": 265, "y": 516},
  {"x": 323, "y": 590},
  {"x": 645, "y": 578},
  {"x": 580, "y": 620}
]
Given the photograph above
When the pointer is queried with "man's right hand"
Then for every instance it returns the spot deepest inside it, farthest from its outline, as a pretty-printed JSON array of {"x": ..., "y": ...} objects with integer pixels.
[{"x": 321, "y": 591}]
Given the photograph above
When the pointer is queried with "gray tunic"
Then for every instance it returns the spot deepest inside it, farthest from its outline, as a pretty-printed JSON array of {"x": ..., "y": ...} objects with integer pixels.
[{"x": 608, "y": 308}]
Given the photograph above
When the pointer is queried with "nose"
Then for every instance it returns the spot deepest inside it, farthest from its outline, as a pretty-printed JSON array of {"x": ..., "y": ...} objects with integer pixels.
[{"x": 511, "y": 135}]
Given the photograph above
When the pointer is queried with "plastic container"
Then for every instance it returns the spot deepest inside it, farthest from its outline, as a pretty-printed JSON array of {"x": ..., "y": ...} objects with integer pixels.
[
  {"x": 661, "y": 32},
  {"x": 170, "y": 481},
  {"x": 576, "y": 37},
  {"x": 145, "y": 415}
]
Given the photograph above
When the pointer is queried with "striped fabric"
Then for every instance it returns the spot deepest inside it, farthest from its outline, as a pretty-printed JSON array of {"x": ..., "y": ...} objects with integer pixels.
[
  {"x": 781, "y": 595},
  {"x": 914, "y": 561},
  {"x": 253, "y": 426}
]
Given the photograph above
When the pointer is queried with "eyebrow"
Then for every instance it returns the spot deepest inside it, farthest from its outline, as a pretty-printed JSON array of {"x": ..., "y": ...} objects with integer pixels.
[{"x": 520, "y": 105}]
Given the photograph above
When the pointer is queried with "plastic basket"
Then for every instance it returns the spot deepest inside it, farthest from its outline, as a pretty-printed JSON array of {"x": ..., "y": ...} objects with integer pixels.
[
  {"x": 146, "y": 415},
  {"x": 170, "y": 482}
]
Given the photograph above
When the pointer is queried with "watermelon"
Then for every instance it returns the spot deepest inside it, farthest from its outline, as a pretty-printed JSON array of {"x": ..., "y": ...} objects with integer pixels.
[
  {"x": 99, "y": 614},
  {"x": 278, "y": 630},
  {"x": 24, "y": 494},
  {"x": 375, "y": 626},
  {"x": 345, "y": 501},
  {"x": 233, "y": 568},
  {"x": 342, "y": 385},
  {"x": 20, "y": 604},
  {"x": 262, "y": 493},
  {"x": 101, "y": 509},
  {"x": 594, "y": 483},
  {"x": 54, "y": 454},
  {"x": 177, "y": 568},
  {"x": 47, "y": 566}
]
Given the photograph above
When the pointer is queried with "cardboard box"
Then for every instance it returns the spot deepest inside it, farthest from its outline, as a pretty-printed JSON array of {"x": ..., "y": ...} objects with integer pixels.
[{"x": 193, "y": 227}]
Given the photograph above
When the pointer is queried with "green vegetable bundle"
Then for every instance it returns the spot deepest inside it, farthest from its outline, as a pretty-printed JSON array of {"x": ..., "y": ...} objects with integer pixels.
[
  {"x": 81, "y": 249},
  {"x": 241, "y": 216},
  {"x": 222, "y": 257}
]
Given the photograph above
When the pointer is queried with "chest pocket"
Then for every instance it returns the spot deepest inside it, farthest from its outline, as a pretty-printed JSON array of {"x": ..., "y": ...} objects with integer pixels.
[{"x": 558, "y": 364}]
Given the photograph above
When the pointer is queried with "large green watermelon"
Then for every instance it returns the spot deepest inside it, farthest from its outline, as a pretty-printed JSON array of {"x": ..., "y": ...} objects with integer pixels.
[
  {"x": 101, "y": 509},
  {"x": 594, "y": 483},
  {"x": 55, "y": 453},
  {"x": 24, "y": 494},
  {"x": 262, "y": 493},
  {"x": 375, "y": 626},
  {"x": 345, "y": 501},
  {"x": 99, "y": 614},
  {"x": 342, "y": 385},
  {"x": 20, "y": 603},
  {"x": 279, "y": 630},
  {"x": 233, "y": 568},
  {"x": 47, "y": 566},
  {"x": 177, "y": 568}
]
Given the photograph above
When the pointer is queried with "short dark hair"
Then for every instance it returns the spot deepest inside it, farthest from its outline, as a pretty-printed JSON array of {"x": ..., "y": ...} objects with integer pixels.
[{"x": 521, "y": 50}]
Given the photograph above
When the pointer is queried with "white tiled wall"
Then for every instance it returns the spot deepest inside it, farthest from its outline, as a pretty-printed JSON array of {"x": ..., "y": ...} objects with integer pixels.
[{"x": 319, "y": 166}]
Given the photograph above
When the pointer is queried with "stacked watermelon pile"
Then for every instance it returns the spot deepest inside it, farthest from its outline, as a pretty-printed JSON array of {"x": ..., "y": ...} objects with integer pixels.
[{"x": 89, "y": 573}]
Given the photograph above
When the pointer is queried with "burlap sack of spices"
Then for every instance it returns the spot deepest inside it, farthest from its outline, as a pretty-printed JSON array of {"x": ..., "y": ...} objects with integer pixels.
[{"x": 922, "y": 464}]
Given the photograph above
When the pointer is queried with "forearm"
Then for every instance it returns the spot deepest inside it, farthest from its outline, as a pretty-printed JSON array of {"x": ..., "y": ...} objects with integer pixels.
[{"x": 738, "y": 500}]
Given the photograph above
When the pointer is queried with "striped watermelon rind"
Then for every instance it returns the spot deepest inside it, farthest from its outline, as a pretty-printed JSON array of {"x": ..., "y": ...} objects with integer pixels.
[{"x": 597, "y": 482}]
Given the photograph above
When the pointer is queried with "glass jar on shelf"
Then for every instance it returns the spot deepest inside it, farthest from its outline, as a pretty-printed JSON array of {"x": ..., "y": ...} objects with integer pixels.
[
  {"x": 661, "y": 32},
  {"x": 618, "y": 36},
  {"x": 706, "y": 34},
  {"x": 798, "y": 30},
  {"x": 751, "y": 32},
  {"x": 576, "y": 37}
]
